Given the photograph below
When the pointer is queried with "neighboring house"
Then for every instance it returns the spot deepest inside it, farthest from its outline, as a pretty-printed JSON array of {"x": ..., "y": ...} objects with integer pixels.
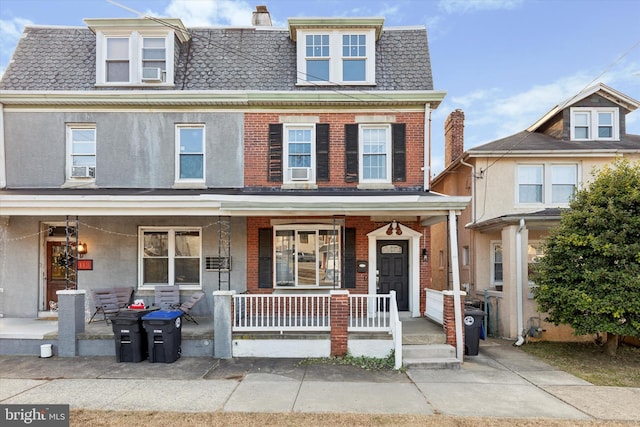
[
  {"x": 519, "y": 185},
  {"x": 257, "y": 159}
]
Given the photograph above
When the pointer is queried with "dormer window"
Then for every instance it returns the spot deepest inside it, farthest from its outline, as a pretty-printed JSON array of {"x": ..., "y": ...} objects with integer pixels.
[
  {"x": 594, "y": 124},
  {"x": 336, "y": 52},
  {"x": 136, "y": 52}
]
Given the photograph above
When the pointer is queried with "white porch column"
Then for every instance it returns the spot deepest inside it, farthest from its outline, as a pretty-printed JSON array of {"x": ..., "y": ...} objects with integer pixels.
[{"x": 455, "y": 270}]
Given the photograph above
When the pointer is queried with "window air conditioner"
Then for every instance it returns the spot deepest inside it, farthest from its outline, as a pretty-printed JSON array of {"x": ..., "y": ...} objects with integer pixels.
[
  {"x": 151, "y": 74},
  {"x": 83, "y": 172},
  {"x": 300, "y": 174}
]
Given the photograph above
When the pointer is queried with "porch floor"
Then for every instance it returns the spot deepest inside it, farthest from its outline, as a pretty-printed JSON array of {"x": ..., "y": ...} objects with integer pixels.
[{"x": 415, "y": 330}]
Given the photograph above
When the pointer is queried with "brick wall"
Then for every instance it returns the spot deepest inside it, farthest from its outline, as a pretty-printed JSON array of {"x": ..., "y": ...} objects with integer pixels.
[
  {"x": 256, "y": 147},
  {"x": 339, "y": 323},
  {"x": 453, "y": 137}
]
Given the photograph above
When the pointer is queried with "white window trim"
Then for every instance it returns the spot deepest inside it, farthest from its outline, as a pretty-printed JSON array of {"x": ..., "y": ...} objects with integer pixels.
[
  {"x": 190, "y": 181},
  {"x": 388, "y": 152},
  {"x": 69, "y": 156},
  {"x": 305, "y": 227},
  {"x": 335, "y": 57},
  {"x": 171, "y": 273},
  {"x": 492, "y": 272},
  {"x": 547, "y": 183},
  {"x": 285, "y": 153},
  {"x": 593, "y": 124},
  {"x": 135, "y": 57}
]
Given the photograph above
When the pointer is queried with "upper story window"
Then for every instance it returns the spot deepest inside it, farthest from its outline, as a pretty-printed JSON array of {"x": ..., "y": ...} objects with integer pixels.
[
  {"x": 190, "y": 153},
  {"x": 136, "y": 52},
  {"x": 117, "y": 60},
  {"x": 592, "y": 124},
  {"x": 549, "y": 184},
  {"x": 336, "y": 57},
  {"x": 299, "y": 153},
  {"x": 81, "y": 149},
  {"x": 375, "y": 164}
]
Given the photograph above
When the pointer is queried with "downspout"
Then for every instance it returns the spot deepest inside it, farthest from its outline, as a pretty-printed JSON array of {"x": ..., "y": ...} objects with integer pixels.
[
  {"x": 520, "y": 322},
  {"x": 457, "y": 301},
  {"x": 427, "y": 147},
  {"x": 3, "y": 160}
]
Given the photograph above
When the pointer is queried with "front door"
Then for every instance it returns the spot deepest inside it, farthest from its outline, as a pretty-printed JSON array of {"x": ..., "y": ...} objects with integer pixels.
[
  {"x": 56, "y": 272},
  {"x": 393, "y": 270}
]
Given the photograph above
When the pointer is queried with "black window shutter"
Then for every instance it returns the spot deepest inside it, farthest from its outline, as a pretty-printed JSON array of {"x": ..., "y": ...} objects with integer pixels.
[
  {"x": 349, "y": 272},
  {"x": 275, "y": 153},
  {"x": 351, "y": 153},
  {"x": 322, "y": 152},
  {"x": 398, "y": 136},
  {"x": 265, "y": 266}
]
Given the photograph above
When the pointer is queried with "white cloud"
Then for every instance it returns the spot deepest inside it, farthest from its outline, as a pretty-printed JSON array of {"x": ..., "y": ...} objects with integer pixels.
[
  {"x": 462, "y": 6},
  {"x": 203, "y": 13}
]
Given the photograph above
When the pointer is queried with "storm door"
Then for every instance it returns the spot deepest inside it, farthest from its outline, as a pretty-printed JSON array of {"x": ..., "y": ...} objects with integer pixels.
[
  {"x": 393, "y": 270},
  {"x": 57, "y": 272}
]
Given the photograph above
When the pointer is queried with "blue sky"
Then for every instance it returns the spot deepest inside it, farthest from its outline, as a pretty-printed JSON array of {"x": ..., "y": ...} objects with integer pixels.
[{"x": 505, "y": 63}]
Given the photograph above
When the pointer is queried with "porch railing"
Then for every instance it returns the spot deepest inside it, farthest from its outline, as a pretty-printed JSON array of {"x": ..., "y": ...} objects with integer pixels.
[
  {"x": 435, "y": 304},
  {"x": 281, "y": 312},
  {"x": 373, "y": 313}
]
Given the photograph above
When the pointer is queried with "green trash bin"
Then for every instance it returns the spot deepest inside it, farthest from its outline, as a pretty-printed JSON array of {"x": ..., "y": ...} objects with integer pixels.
[{"x": 164, "y": 335}]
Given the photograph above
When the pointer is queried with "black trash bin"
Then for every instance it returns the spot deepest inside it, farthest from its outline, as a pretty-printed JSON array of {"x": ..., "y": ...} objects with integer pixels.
[
  {"x": 473, "y": 319},
  {"x": 164, "y": 335},
  {"x": 129, "y": 335}
]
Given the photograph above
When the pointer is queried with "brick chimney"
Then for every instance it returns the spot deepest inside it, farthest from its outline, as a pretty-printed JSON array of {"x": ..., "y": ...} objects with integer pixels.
[
  {"x": 261, "y": 17},
  {"x": 453, "y": 137}
]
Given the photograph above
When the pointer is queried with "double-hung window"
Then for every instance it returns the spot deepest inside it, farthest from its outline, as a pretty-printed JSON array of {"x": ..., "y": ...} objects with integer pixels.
[
  {"x": 170, "y": 257},
  {"x": 190, "y": 153},
  {"x": 336, "y": 57},
  {"x": 376, "y": 153},
  {"x": 306, "y": 255},
  {"x": 299, "y": 152},
  {"x": 81, "y": 148},
  {"x": 548, "y": 184},
  {"x": 117, "y": 62},
  {"x": 154, "y": 61},
  {"x": 592, "y": 124},
  {"x": 530, "y": 183}
]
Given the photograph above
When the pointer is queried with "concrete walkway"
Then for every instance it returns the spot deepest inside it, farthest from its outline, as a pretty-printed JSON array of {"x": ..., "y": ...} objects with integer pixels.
[{"x": 502, "y": 381}]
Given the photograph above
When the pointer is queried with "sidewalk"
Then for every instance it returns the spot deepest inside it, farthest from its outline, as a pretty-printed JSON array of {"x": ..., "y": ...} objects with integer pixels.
[{"x": 501, "y": 381}]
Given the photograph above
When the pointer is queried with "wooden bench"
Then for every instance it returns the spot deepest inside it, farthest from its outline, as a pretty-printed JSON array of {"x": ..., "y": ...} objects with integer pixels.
[{"x": 110, "y": 300}]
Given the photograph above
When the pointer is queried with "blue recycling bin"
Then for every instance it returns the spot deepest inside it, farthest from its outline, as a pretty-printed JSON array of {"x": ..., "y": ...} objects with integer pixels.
[{"x": 164, "y": 335}]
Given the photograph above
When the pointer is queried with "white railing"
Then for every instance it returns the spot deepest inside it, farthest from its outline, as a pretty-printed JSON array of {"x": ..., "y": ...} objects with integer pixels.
[
  {"x": 369, "y": 313},
  {"x": 435, "y": 304},
  {"x": 281, "y": 312},
  {"x": 373, "y": 313}
]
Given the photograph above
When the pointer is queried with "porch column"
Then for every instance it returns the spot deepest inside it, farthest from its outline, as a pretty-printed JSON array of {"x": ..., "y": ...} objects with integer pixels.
[
  {"x": 449, "y": 317},
  {"x": 455, "y": 270},
  {"x": 223, "y": 324},
  {"x": 339, "y": 312},
  {"x": 70, "y": 321}
]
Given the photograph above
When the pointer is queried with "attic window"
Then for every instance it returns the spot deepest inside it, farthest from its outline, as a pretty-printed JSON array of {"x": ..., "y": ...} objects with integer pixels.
[
  {"x": 334, "y": 57},
  {"x": 594, "y": 124}
]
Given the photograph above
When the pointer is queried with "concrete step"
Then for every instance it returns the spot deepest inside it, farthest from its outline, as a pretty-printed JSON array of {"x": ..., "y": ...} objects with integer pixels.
[{"x": 432, "y": 356}]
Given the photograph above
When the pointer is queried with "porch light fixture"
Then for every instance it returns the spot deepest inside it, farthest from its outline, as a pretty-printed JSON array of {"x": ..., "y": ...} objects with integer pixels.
[
  {"x": 425, "y": 254},
  {"x": 82, "y": 249},
  {"x": 394, "y": 226}
]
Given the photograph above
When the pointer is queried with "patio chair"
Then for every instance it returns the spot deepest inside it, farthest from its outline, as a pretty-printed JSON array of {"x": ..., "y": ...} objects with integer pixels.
[
  {"x": 106, "y": 302},
  {"x": 166, "y": 296},
  {"x": 186, "y": 306}
]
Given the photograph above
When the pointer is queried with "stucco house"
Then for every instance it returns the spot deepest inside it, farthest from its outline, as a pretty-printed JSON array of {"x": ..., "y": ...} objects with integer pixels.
[
  {"x": 519, "y": 186},
  {"x": 260, "y": 160}
]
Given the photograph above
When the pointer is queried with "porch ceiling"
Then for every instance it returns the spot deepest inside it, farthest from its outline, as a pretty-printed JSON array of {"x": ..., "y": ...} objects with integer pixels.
[{"x": 206, "y": 204}]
